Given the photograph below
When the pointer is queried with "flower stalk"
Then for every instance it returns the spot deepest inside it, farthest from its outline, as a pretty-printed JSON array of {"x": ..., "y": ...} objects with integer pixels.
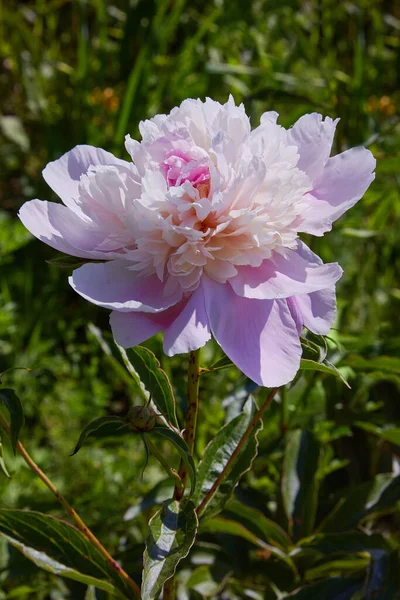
[
  {"x": 79, "y": 523},
  {"x": 191, "y": 415},
  {"x": 189, "y": 437}
]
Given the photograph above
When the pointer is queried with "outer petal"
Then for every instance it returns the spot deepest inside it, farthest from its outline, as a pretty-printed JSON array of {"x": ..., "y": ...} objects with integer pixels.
[
  {"x": 343, "y": 182},
  {"x": 63, "y": 174},
  {"x": 113, "y": 285},
  {"x": 259, "y": 336},
  {"x": 62, "y": 229},
  {"x": 133, "y": 328},
  {"x": 191, "y": 329},
  {"x": 313, "y": 138},
  {"x": 301, "y": 272},
  {"x": 317, "y": 310}
]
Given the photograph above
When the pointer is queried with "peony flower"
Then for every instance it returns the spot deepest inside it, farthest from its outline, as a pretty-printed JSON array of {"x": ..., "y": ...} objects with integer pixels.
[{"x": 199, "y": 233}]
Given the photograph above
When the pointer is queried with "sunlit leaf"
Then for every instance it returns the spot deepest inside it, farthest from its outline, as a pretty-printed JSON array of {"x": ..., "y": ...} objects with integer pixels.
[
  {"x": 172, "y": 533},
  {"x": 143, "y": 363},
  {"x": 216, "y": 456}
]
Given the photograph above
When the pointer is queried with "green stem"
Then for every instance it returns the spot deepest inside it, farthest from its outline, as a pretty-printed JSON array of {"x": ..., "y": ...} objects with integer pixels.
[
  {"x": 79, "y": 523},
  {"x": 200, "y": 509},
  {"x": 191, "y": 415},
  {"x": 189, "y": 437},
  {"x": 157, "y": 454}
]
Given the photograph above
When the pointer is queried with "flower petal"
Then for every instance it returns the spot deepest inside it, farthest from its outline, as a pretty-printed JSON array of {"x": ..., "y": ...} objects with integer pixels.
[
  {"x": 132, "y": 328},
  {"x": 63, "y": 175},
  {"x": 62, "y": 229},
  {"x": 190, "y": 330},
  {"x": 313, "y": 138},
  {"x": 113, "y": 285},
  {"x": 317, "y": 310},
  {"x": 259, "y": 336},
  {"x": 343, "y": 182},
  {"x": 300, "y": 272}
]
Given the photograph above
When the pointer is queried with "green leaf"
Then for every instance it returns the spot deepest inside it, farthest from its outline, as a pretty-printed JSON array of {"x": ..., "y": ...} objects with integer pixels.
[
  {"x": 2, "y": 461},
  {"x": 95, "y": 425},
  {"x": 348, "y": 565},
  {"x": 266, "y": 528},
  {"x": 324, "y": 367},
  {"x": 230, "y": 527},
  {"x": 386, "y": 364},
  {"x": 222, "y": 363},
  {"x": 144, "y": 364},
  {"x": 217, "y": 454},
  {"x": 59, "y": 548},
  {"x": 348, "y": 542},
  {"x": 65, "y": 261},
  {"x": 172, "y": 533},
  {"x": 371, "y": 496},
  {"x": 334, "y": 588},
  {"x": 299, "y": 482},
  {"x": 14, "y": 407},
  {"x": 107, "y": 344},
  {"x": 180, "y": 444}
]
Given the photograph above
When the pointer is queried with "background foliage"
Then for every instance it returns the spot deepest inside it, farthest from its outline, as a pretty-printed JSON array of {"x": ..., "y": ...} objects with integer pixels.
[{"x": 87, "y": 71}]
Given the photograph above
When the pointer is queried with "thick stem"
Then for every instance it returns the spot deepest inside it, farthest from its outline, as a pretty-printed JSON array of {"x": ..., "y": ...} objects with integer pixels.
[
  {"x": 79, "y": 523},
  {"x": 189, "y": 436},
  {"x": 191, "y": 415},
  {"x": 235, "y": 453}
]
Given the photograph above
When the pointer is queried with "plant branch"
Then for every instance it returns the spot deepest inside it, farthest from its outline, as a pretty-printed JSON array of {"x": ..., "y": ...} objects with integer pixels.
[
  {"x": 191, "y": 415},
  {"x": 79, "y": 523},
  {"x": 200, "y": 509},
  {"x": 189, "y": 437}
]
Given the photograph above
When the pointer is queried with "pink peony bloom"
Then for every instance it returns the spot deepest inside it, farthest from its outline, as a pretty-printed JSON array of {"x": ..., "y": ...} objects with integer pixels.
[{"x": 200, "y": 232}]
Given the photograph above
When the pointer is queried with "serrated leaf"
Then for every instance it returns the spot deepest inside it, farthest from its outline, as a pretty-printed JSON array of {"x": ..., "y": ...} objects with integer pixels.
[
  {"x": 299, "y": 482},
  {"x": 181, "y": 446},
  {"x": 266, "y": 528},
  {"x": 17, "y": 419},
  {"x": 217, "y": 454},
  {"x": 59, "y": 548},
  {"x": 172, "y": 534},
  {"x": 95, "y": 425},
  {"x": 143, "y": 362},
  {"x": 324, "y": 367}
]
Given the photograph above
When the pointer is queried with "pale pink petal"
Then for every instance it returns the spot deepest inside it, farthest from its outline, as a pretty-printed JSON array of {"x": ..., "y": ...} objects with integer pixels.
[
  {"x": 259, "y": 336},
  {"x": 343, "y": 182},
  {"x": 132, "y": 328},
  {"x": 113, "y": 285},
  {"x": 313, "y": 138},
  {"x": 62, "y": 229},
  {"x": 63, "y": 175},
  {"x": 296, "y": 314},
  {"x": 317, "y": 310},
  {"x": 280, "y": 277},
  {"x": 190, "y": 330}
]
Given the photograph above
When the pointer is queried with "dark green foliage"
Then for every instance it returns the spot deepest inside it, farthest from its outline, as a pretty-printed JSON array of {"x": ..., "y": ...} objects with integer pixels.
[{"x": 88, "y": 72}]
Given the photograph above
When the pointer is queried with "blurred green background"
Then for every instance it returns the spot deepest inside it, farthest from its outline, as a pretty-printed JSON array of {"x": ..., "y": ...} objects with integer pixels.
[{"x": 87, "y": 71}]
